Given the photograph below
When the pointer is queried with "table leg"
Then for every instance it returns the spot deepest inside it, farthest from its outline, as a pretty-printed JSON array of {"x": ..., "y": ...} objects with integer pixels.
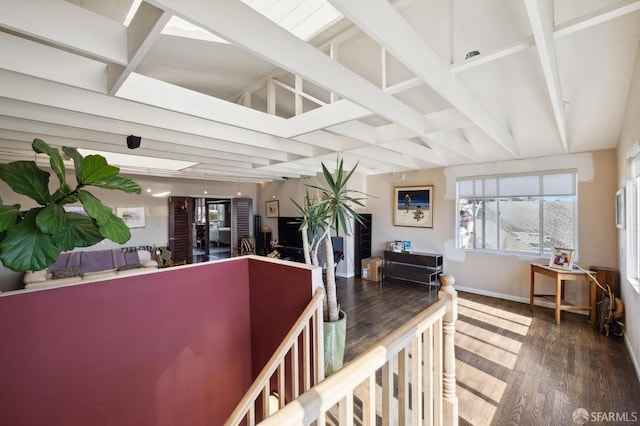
[
  {"x": 531, "y": 290},
  {"x": 592, "y": 302},
  {"x": 559, "y": 290}
]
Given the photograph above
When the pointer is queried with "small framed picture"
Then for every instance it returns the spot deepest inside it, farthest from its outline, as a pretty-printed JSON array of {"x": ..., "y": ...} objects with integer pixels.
[
  {"x": 620, "y": 209},
  {"x": 273, "y": 209},
  {"x": 133, "y": 217},
  {"x": 561, "y": 258}
]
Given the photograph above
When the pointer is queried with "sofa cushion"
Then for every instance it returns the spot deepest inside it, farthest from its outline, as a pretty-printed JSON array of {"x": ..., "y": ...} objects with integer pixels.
[
  {"x": 149, "y": 263},
  {"x": 35, "y": 276},
  {"x": 130, "y": 266},
  {"x": 73, "y": 271}
]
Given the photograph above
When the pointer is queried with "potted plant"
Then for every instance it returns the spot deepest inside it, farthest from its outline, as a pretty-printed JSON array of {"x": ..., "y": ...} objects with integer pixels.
[
  {"x": 330, "y": 209},
  {"x": 32, "y": 239}
]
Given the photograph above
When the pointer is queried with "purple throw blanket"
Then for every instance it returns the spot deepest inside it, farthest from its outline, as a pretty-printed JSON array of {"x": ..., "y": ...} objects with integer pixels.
[{"x": 95, "y": 261}]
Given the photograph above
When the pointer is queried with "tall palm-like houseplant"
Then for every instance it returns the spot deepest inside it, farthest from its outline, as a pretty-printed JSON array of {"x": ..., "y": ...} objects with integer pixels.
[
  {"x": 32, "y": 239},
  {"x": 329, "y": 209}
]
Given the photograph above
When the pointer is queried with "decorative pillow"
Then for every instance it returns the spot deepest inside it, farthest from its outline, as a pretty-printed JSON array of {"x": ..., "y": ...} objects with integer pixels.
[
  {"x": 149, "y": 263},
  {"x": 74, "y": 271},
  {"x": 35, "y": 276},
  {"x": 144, "y": 255},
  {"x": 130, "y": 266}
]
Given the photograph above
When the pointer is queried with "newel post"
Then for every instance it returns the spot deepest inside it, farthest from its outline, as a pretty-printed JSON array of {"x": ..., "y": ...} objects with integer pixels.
[{"x": 450, "y": 403}]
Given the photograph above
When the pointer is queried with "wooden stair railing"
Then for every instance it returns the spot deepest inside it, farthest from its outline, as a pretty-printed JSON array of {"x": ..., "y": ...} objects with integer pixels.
[
  {"x": 294, "y": 374},
  {"x": 419, "y": 357}
]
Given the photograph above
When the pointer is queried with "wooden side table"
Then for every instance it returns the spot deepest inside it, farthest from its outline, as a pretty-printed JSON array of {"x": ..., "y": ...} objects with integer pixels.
[{"x": 558, "y": 298}]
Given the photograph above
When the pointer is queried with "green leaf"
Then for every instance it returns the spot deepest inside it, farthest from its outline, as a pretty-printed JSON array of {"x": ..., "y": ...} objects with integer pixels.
[
  {"x": 26, "y": 178},
  {"x": 55, "y": 159},
  {"x": 8, "y": 216},
  {"x": 84, "y": 229},
  {"x": 95, "y": 169},
  {"x": 51, "y": 219},
  {"x": 120, "y": 183},
  {"x": 77, "y": 158},
  {"x": 27, "y": 248},
  {"x": 110, "y": 225}
]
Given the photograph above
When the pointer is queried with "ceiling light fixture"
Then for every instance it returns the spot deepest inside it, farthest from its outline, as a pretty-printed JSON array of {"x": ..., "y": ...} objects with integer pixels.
[
  {"x": 205, "y": 185},
  {"x": 471, "y": 54},
  {"x": 161, "y": 194}
]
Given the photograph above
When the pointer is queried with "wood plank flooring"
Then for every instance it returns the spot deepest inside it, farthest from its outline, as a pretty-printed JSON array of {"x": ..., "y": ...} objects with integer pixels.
[{"x": 513, "y": 367}]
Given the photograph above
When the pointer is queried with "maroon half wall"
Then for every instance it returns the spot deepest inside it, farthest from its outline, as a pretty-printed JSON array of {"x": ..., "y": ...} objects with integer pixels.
[
  {"x": 279, "y": 293},
  {"x": 171, "y": 347}
]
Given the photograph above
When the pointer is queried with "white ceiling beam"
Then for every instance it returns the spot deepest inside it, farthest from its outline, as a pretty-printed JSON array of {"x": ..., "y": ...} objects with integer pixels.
[
  {"x": 485, "y": 58},
  {"x": 324, "y": 116},
  {"x": 36, "y": 91},
  {"x": 422, "y": 152},
  {"x": 597, "y": 17},
  {"x": 26, "y": 130},
  {"x": 241, "y": 25},
  {"x": 57, "y": 22},
  {"x": 328, "y": 141},
  {"x": 27, "y": 57},
  {"x": 22, "y": 116},
  {"x": 142, "y": 33},
  {"x": 582, "y": 23},
  {"x": 541, "y": 17},
  {"x": 147, "y": 90},
  {"x": 383, "y": 23}
]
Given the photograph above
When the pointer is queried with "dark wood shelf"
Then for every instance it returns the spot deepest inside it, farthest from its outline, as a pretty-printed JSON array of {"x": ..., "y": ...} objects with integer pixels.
[{"x": 418, "y": 267}]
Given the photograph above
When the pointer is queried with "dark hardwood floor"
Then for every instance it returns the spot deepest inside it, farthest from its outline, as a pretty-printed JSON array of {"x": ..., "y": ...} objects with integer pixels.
[{"x": 513, "y": 367}]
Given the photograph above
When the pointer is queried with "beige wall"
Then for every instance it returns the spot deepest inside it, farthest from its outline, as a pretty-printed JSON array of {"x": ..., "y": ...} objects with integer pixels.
[
  {"x": 630, "y": 136},
  {"x": 156, "y": 231},
  {"x": 501, "y": 275}
]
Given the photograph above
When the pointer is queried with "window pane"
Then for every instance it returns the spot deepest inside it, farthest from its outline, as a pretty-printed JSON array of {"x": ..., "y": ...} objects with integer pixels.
[
  {"x": 490, "y": 224},
  {"x": 465, "y": 188},
  {"x": 558, "y": 222},
  {"x": 466, "y": 213},
  {"x": 520, "y": 224},
  {"x": 560, "y": 184},
  {"x": 519, "y": 186}
]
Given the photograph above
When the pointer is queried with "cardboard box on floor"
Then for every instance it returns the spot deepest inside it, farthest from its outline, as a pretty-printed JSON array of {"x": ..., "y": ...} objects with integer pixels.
[{"x": 371, "y": 268}]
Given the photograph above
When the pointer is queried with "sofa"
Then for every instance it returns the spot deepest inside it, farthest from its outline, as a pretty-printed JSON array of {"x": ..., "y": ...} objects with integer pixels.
[{"x": 87, "y": 266}]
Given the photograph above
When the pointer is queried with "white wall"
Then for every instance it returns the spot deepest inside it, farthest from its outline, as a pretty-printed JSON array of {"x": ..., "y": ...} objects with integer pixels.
[
  {"x": 629, "y": 136},
  {"x": 156, "y": 231}
]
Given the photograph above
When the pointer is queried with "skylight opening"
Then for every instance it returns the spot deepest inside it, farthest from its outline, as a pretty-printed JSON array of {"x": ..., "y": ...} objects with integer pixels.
[
  {"x": 303, "y": 19},
  {"x": 139, "y": 161}
]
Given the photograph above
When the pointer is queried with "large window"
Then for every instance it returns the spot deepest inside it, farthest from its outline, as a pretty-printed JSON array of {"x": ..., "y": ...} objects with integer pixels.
[
  {"x": 527, "y": 214},
  {"x": 632, "y": 214}
]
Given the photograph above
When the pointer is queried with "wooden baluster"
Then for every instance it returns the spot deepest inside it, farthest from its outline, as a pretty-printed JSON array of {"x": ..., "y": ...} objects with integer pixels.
[{"x": 449, "y": 374}]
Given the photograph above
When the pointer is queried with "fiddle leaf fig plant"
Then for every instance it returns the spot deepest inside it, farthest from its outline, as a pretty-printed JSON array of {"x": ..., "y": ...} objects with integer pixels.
[{"x": 32, "y": 239}]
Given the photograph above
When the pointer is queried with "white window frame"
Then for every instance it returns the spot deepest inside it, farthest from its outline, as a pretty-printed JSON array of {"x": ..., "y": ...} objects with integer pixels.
[
  {"x": 540, "y": 193},
  {"x": 632, "y": 219}
]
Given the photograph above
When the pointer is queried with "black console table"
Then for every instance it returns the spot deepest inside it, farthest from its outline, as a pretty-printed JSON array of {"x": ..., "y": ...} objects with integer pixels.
[{"x": 418, "y": 267}]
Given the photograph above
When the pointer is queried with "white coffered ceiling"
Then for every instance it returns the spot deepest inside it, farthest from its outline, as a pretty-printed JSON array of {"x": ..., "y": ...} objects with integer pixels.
[{"x": 257, "y": 90}]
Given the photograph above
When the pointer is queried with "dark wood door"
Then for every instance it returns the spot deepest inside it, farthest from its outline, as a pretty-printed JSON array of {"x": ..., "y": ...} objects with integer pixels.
[
  {"x": 180, "y": 232},
  {"x": 241, "y": 222}
]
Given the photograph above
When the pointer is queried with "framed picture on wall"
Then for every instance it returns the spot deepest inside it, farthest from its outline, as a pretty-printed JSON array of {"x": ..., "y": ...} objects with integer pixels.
[
  {"x": 133, "y": 217},
  {"x": 413, "y": 206},
  {"x": 273, "y": 209},
  {"x": 620, "y": 208}
]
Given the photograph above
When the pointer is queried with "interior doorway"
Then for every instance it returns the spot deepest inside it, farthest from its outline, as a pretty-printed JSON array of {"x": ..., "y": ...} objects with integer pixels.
[{"x": 211, "y": 229}]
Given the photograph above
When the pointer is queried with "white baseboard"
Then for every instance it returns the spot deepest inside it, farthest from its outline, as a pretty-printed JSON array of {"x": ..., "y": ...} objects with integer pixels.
[
  {"x": 512, "y": 298},
  {"x": 634, "y": 359}
]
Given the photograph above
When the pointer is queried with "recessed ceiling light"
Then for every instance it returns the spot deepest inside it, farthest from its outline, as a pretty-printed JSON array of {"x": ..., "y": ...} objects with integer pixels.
[
  {"x": 161, "y": 194},
  {"x": 139, "y": 161}
]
